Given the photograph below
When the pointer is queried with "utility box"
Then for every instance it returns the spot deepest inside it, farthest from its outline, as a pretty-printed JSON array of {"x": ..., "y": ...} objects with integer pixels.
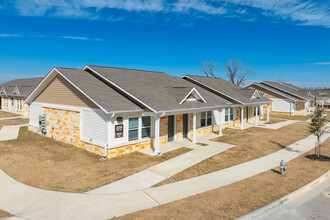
[{"x": 43, "y": 123}]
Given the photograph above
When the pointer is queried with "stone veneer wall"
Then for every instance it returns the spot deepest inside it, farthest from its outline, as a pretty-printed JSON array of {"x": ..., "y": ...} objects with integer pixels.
[
  {"x": 24, "y": 111},
  {"x": 68, "y": 131}
]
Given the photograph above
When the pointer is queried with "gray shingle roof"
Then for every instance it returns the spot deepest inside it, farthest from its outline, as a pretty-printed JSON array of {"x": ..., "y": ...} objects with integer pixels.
[
  {"x": 243, "y": 96},
  {"x": 104, "y": 95},
  {"x": 25, "y": 86},
  {"x": 158, "y": 90},
  {"x": 301, "y": 94},
  {"x": 271, "y": 89}
]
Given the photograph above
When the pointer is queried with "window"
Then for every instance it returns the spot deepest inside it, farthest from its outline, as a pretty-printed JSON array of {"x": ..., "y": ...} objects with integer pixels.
[
  {"x": 229, "y": 114},
  {"x": 146, "y": 126},
  {"x": 19, "y": 104},
  {"x": 206, "y": 118},
  {"x": 256, "y": 109},
  {"x": 133, "y": 128}
]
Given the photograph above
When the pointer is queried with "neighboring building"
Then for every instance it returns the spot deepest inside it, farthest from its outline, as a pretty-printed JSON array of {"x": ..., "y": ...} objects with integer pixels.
[
  {"x": 113, "y": 111},
  {"x": 287, "y": 99},
  {"x": 247, "y": 102},
  {"x": 13, "y": 94}
]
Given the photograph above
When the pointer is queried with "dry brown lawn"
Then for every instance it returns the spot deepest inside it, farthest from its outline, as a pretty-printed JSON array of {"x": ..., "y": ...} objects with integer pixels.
[
  {"x": 294, "y": 117},
  {"x": 250, "y": 144},
  {"x": 243, "y": 197},
  {"x": 7, "y": 114},
  {"x": 4, "y": 214},
  {"x": 44, "y": 163},
  {"x": 16, "y": 121}
]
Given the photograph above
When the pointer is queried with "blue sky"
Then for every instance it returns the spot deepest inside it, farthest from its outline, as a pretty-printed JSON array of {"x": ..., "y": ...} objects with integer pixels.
[{"x": 277, "y": 38}]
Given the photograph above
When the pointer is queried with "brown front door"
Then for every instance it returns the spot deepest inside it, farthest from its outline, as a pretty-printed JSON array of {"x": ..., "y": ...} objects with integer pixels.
[
  {"x": 170, "y": 132},
  {"x": 185, "y": 125}
]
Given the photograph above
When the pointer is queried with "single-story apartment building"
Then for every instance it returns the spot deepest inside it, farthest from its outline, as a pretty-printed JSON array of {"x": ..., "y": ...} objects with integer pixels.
[
  {"x": 14, "y": 93},
  {"x": 113, "y": 111},
  {"x": 287, "y": 99}
]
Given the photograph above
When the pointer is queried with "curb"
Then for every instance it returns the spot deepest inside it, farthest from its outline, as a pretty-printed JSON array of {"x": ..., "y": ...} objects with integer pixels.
[{"x": 259, "y": 212}]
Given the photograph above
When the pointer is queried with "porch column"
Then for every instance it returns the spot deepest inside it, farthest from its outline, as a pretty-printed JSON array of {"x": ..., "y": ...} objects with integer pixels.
[
  {"x": 157, "y": 131},
  {"x": 261, "y": 108},
  {"x": 290, "y": 108},
  {"x": 194, "y": 128},
  {"x": 256, "y": 109},
  {"x": 268, "y": 110},
  {"x": 220, "y": 122},
  {"x": 242, "y": 117},
  {"x": 305, "y": 109}
]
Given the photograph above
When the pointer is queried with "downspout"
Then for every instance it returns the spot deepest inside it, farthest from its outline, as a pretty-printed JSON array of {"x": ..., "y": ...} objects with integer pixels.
[{"x": 108, "y": 135}]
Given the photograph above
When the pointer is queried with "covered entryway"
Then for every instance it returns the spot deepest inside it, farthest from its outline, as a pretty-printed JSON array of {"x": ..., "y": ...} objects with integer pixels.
[
  {"x": 185, "y": 125},
  {"x": 170, "y": 128}
]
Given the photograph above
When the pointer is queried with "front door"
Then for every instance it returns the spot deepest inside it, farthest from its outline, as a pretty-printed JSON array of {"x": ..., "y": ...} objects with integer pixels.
[
  {"x": 170, "y": 132},
  {"x": 185, "y": 125}
]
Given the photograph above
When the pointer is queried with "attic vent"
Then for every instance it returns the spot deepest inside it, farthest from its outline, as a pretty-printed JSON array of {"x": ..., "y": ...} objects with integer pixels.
[{"x": 256, "y": 95}]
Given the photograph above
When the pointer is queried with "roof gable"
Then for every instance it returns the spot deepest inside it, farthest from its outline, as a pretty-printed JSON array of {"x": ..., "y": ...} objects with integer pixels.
[
  {"x": 16, "y": 91},
  {"x": 193, "y": 95},
  {"x": 3, "y": 91},
  {"x": 256, "y": 95}
]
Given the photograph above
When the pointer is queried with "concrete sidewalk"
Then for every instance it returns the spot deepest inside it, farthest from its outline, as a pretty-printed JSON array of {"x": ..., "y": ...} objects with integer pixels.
[
  {"x": 156, "y": 174},
  {"x": 278, "y": 125},
  {"x": 10, "y": 132},
  {"x": 33, "y": 203},
  {"x": 13, "y": 118}
]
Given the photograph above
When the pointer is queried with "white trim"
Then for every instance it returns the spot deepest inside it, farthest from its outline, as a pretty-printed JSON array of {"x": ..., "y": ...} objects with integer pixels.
[
  {"x": 66, "y": 107},
  {"x": 174, "y": 128},
  {"x": 211, "y": 88},
  {"x": 283, "y": 90},
  {"x": 189, "y": 93},
  {"x": 49, "y": 74},
  {"x": 3, "y": 90},
  {"x": 274, "y": 91},
  {"x": 16, "y": 91},
  {"x": 123, "y": 90},
  {"x": 255, "y": 95}
]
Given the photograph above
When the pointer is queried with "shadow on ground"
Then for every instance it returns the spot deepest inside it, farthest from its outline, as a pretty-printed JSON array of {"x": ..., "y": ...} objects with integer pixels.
[{"x": 322, "y": 158}]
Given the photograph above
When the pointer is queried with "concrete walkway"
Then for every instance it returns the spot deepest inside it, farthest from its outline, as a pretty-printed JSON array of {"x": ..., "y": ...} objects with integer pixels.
[
  {"x": 33, "y": 203},
  {"x": 10, "y": 132},
  {"x": 158, "y": 173},
  {"x": 277, "y": 125},
  {"x": 16, "y": 117}
]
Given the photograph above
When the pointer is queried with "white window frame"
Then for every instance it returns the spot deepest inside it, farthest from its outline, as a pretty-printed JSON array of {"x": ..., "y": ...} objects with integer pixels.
[
  {"x": 229, "y": 114},
  {"x": 206, "y": 119},
  {"x": 138, "y": 128},
  {"x": 145, "y": 126},
  {"x": 19, "y": 104}
]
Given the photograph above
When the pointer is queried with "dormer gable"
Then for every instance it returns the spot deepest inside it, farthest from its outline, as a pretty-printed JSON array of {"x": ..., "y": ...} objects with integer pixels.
[
  {"x": 16, "y": 91},
  {"x": 193, "y": 96},
  {"x": 255, "y": 95},
  {"x": 3, "y": 91}
]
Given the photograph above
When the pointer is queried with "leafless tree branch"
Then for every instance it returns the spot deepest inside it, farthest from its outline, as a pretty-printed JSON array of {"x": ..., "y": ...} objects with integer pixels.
[{"x": 208, "y": 68}]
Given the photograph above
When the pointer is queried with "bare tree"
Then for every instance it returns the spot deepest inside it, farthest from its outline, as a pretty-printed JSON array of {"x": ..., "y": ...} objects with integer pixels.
[
  {"x": 208, "y": 68},
  {"x": 236, "y": 72}
]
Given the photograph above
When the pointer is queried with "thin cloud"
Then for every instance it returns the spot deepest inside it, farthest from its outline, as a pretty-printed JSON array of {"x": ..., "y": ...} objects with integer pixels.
[
  {"x": 302, "y": 12},
  {"x": 322, "y": 63},
  {"x": 81, "y": 38},
  {"x": 10, "y": 35}
]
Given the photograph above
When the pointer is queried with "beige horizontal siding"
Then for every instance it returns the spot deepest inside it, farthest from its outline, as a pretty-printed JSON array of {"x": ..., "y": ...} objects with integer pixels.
[{"x": 61, "y": 92}]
